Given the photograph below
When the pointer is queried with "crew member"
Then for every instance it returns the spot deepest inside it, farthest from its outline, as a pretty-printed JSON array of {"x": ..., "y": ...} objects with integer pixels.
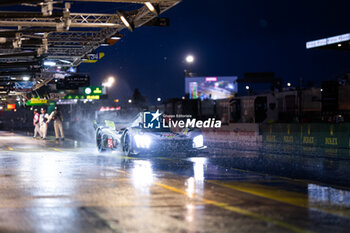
[
  {"x": 57, "y": 118},
  {"x": 36, "y": 123},
  {"x": 44, "y": 120}
]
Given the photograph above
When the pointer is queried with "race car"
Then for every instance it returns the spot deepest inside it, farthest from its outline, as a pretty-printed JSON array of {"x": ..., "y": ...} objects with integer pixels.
[{"x": 133, "y": 138}]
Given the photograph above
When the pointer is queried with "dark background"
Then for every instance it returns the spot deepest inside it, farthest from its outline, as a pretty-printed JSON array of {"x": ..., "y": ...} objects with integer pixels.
[{"x": 227, "y": 38}]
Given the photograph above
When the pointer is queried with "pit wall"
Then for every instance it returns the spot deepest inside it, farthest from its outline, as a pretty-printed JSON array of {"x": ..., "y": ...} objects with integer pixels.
[
  {"x": 318, "y": 135},
  {"x": 239, "y": 133},
  {"x": 314, "y": 135}
]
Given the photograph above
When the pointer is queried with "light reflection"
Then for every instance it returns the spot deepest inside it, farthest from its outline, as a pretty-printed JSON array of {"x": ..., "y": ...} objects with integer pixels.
[
  {"x": 190, "y": 213},
  {"x": 323, "y": 195},
  {"x": 46, "y": 171},
  {"x": 142, "y": 176},
  {"x": 190, "y": 183},
  {"x": 195, "y": 184},
  {"x": 198, "y": 168}
]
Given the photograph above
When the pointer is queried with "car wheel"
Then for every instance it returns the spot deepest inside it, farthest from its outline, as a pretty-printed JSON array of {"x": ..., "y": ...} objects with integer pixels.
[
  {"x": 100, "y": 142},
  {"x": 127, "y": 145}
]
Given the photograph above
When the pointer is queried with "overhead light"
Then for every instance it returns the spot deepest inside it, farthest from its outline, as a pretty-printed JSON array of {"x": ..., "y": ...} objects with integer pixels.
[
  {"x": 111, "y": 79},
  {"x": 190, "y": 59},
  {"x": 104, "y": 45},
  {"x": 49, "y": 63},
  {"x": 116, "y": 37},
  {"x": 125, "y": 21},
  {"x": 13, "y": 78},
  {"x": 339, "y": 45},
  {"x": 130, "y": 26},
  {"x": 26, "y": 78},
  {"x": 150, "y": 6},
  {"x": 64, "y": 61}
]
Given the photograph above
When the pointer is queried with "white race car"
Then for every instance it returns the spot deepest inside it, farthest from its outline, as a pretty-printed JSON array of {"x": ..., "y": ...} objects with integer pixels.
[{"x": 132, "y": 138}]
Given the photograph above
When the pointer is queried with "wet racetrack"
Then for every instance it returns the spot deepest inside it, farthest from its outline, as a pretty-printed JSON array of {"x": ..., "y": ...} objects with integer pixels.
[{"x": 49, "y": 186}]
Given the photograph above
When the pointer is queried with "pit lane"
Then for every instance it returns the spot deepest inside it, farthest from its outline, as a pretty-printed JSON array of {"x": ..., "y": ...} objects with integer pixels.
[{"x": 49, "y": 186}]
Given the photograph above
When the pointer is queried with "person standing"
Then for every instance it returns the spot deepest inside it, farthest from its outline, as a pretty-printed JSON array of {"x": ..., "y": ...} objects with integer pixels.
[
  {"x": 43, "y": 121},
  {"x": 57, "y": 118},
  {"x": 36, "y": 124}
]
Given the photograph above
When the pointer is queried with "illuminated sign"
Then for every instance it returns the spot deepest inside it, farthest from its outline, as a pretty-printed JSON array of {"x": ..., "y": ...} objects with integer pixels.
[
  {"x": 94, "y": 90},
  {"x": 56, "y": 96},
  {"x": 88, "y": 91},
  {"x": 66, "y": 102},
  {"x": 93, "y": 97},
  {"x": 328, "y": 41},
  {"x": 73, "y": 82},
  {"x": 211, "y": 79},
  {"x": 94, "y": 57},
  {"x": 106, "y": 109},
  {"x": 82, "y": 97},
  {"x": 211, "y": 87},
  {"x": 11, "y": 106},
  {"x": 34, "y": 101},
  {"x": 23, "y": 85}
]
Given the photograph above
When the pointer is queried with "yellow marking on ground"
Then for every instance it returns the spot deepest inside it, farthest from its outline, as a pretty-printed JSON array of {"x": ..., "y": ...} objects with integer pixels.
[
  {"x": 269, "y": 192},
  {"x": 127, "y": 157},
  {"x": 293, "y": 198},
  {"x": 10, "y": 148},
  {"x": 295, "y": 181},
  {"x": 303, "y": 181},
  {"x": 171, "y": 188},
  {"x": 240, "y": 211},
  {"x": 164, "y": 158},
  {"x": 58, "y": 150}
]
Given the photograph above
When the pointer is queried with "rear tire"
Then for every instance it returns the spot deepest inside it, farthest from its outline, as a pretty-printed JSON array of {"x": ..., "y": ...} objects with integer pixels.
[{"x": 100, "y": 142}]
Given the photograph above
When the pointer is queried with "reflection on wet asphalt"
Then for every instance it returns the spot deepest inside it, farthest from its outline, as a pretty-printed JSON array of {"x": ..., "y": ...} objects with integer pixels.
[{"x": 69, "y": 187}]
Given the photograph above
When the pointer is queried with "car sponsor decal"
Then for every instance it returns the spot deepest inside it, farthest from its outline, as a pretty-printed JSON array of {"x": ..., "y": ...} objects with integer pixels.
[
  {"x": 168, "y": 135},
  {"x": 110, "y": 143}
]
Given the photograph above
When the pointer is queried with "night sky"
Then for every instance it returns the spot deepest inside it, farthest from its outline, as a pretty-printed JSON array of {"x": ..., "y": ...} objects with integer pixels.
[{"x": 227, "y": 38}]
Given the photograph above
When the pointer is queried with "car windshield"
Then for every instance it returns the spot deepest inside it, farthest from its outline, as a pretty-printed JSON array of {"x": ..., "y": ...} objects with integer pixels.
[{"x": 109, "y": 116}]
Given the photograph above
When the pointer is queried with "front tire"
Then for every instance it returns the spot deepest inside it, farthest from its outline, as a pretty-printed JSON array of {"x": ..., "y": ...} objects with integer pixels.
[
  {"x": 127, "y": 144},
  {"x": 100, "y": 142}
]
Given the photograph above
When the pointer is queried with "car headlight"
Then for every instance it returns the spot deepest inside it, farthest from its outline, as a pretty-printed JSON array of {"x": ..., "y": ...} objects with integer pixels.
[
  {"x": 142, "y": 141},
  {"x": 198, "y": 141}
]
